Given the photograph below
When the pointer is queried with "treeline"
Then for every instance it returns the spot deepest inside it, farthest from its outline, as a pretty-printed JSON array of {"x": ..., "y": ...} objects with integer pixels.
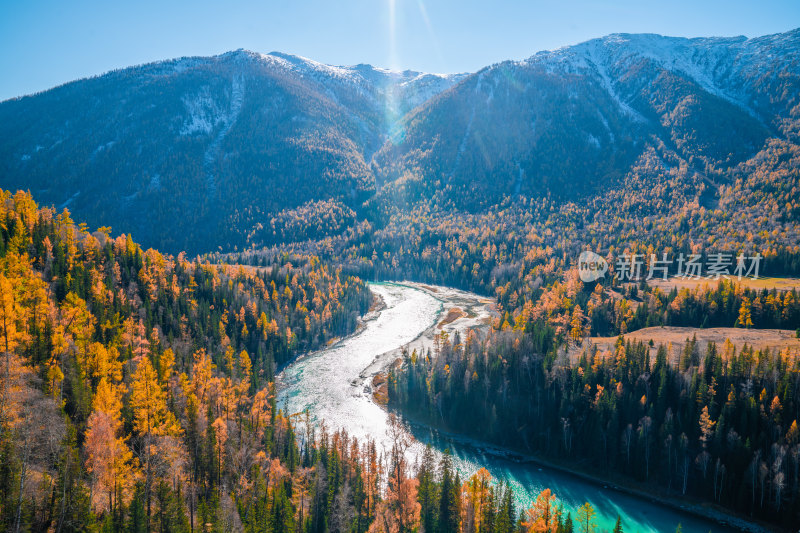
[
  {"x": 576, "y": 309},
  {"x": 546, "y": 286},
  {"x": 725, "y": 305},
  {"x": 716, "y": 423},
  {"x": 530, "y": 269}
]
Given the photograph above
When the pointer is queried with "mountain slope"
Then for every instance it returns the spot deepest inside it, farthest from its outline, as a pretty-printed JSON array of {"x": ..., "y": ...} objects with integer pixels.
[
  {"x": 249, "y": 149},
  {"x": 564, "y": 122},
  {"x": 200, "y": 144}
]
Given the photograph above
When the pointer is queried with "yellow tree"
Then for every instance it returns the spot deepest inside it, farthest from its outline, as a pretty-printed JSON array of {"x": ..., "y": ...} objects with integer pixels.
[
  {"x": 166, "y": 370},
  {"x": 104, "y": 362},
  {"x": 793, "y": 435},
  {"x": 228, "y": 359},
  {"x": 577, "y": 324},
  {"x": 108, "y": 398},
  {"x": 478, "y": 497},
  {"x": 148, "y": 400},
  {"x": 202, "y": 373},
  {"x": 261, "y": 412},
  {"x": 166, "y": 366},
  {"x": 221, "y": 433},
  {"x": 745, "y": 318},
  {"x": 706, "y": 427},
  {"x": 399, "y": 511},
  {"x": 79, "y": 324},
  {"x": 37, "y": 303},
  {"x": 408, "y": 508},
  {"x": 151, "y": 417},
  {"x": 8, "y": 317},
  {"x": 54, "y": 378},
  {"x": 541, "y": 517},
  {"x": 373, "y": 471},
  {"x": 222, "y": 396},
  {"x": 109, "y": 461},
  {"x": 245, "y": 368},
  {"x": 585, "y": 518}
]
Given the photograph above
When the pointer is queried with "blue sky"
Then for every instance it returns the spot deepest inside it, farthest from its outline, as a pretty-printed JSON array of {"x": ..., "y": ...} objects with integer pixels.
[{"x": 45, "y": 43}]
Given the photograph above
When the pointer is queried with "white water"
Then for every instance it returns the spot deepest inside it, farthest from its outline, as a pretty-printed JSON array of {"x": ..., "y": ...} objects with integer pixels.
[{"x": 328, "y": 382}]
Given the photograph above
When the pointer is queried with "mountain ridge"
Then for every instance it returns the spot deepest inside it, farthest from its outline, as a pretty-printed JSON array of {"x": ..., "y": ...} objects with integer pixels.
[
  {"x": 219, "y": 147},
  {"x": 182, "y": 63}
]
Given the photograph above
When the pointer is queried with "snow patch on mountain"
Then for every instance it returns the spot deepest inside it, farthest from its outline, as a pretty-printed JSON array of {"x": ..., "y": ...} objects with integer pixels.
[
  {"x": 227, "y": 120},
  {"x": 305, "y": 65},
  {"x": 204, "y": 113},
  {"x": 601, "y": 68},
  {"x": 722, "y": 66},
  {"x": 102, "y": 148},
  {"x": 155, "y": 183},
  {"x": 403, "y": 90}
]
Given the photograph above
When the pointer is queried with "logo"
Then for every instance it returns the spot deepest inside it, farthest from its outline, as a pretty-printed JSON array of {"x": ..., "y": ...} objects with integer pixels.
[{"x": 591, "y": 266}]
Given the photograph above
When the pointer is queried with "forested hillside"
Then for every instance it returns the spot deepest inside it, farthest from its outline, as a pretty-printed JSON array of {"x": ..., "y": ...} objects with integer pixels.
[
  {"x": 233, "y": 150},
  {"x": 136, "y": 396},
  {"x": 525, "y": 252},
  {"x": 122, "y": 366},
  {"x": 718, "y": 424},
  {"x": 573, "y": 121},
  {"x": 213, "y": 147}
]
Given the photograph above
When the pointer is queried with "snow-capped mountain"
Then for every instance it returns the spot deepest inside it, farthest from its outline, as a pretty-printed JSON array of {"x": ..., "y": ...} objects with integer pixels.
[
  {"x": 199, "y": 152},
  {"x": 217, "y": 141},
  {"x": 731, "y": 68},
  {"x": 568, "y": 121},
  {"x": 403, "y": 89}
]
